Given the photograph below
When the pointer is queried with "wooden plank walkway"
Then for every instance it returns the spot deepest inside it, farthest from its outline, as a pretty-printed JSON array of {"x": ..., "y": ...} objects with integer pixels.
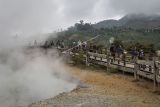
[
  {"x": 143, "y": 68},
  {"x": 146, "y": 69}
]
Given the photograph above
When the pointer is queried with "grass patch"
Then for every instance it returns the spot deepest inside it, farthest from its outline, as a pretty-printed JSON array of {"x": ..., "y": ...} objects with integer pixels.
[{"x": 113, "y": 70}]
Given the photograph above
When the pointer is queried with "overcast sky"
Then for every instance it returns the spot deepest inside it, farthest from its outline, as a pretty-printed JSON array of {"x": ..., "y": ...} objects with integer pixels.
[{"x": 37, "y": 16}]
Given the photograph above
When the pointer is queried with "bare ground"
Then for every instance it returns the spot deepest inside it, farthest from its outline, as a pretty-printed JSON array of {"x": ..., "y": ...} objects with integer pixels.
[{"x": 101, "y": 89}]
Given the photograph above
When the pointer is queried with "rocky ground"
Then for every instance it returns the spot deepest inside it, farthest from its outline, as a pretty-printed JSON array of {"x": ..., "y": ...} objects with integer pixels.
[{"x": 101, "y": 89}]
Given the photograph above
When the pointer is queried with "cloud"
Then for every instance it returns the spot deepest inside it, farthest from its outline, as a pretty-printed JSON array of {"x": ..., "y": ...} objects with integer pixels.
[
  {"x": 25, "y": 15},
  {"x": 136, "y": 6},
  {"x": 24, "y": 18},
  {"x": 36, "y": 16},
  {"x": 78, "y": 8}
]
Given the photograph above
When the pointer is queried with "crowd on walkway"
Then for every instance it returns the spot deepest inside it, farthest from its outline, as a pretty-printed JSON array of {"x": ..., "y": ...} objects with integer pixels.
[{"x": 116, "y": 51}]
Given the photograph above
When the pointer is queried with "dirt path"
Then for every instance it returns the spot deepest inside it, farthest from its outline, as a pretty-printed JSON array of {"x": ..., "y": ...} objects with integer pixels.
[{"x": 100, "y": 89}]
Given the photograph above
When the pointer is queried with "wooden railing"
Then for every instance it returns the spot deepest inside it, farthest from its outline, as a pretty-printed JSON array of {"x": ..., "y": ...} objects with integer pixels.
[{"x": 139, "y": 68}]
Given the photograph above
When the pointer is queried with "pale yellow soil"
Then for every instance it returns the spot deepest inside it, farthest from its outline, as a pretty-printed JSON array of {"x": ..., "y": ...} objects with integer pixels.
[
  {"x": 118, "y": 85},
  {"x": 103, "y": 89}
]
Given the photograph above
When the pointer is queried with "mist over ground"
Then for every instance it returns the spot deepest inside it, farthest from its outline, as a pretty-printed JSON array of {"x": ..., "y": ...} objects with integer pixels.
[{"x": 27, "y": 76}]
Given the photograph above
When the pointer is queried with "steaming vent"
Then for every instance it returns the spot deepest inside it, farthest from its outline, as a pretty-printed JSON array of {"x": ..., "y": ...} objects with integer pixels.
[{"x": 31, "y": 75}]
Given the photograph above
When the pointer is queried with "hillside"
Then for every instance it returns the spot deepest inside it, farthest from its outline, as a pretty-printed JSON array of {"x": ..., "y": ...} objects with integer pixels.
[
  {"x": 134, "y": 21},
  {"x": 131, "y": 29}
]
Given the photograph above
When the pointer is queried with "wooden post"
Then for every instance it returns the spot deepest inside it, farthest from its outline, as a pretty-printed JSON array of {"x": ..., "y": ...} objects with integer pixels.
[
  {"x": 155, "y": 76},
  {"x": 135, "y": 69},
  {"x": 87, "y": 59},
  {"x": 107, "y": 57},
  {"x": 101, "y": 58},
  {"x": 124, "y": 59},
  {"x": 118, "y": 58},
  {"x": 95, "y": 58}
]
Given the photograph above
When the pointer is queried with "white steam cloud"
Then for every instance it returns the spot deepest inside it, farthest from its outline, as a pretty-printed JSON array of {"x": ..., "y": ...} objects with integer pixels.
[{"x": 27, "y": 76}]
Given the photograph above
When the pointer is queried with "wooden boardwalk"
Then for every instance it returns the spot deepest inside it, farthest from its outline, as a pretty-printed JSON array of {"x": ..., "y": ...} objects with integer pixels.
[{"x": 139, "y": 68}]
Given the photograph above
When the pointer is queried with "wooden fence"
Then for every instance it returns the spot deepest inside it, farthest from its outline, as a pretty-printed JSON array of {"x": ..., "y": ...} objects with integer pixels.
[{"x": 139, "y": 68}]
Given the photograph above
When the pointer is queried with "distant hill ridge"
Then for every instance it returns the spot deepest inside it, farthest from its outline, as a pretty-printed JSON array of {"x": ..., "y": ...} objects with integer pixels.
[
  {"x": 131, "y": 29},
  {"x": 134, "y": 21}
]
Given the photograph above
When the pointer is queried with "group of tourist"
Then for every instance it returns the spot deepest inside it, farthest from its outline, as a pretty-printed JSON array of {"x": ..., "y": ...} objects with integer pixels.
[{"x": 118, "y": 51}]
